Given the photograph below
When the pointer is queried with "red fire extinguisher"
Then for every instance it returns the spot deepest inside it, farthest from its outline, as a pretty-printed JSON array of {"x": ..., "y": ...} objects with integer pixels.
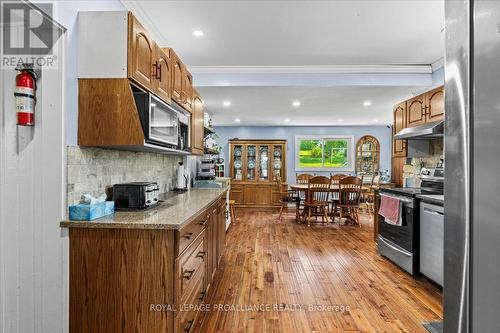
[{"x": 25, "y": 96}]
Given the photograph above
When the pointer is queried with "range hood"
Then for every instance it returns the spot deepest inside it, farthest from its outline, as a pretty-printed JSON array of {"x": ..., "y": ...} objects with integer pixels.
[{"x": 428, "y": 131}]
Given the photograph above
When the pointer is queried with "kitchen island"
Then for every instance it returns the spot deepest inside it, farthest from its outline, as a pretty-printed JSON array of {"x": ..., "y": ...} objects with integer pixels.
[{"x": 146, "y": 271}]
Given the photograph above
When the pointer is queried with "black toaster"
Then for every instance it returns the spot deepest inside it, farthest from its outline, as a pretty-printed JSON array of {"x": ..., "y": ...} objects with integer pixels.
[{"x": 135, "y": 195}]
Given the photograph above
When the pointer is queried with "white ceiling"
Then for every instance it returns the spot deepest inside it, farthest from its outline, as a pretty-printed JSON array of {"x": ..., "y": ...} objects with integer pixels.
[
  {"x": 298, "y": 33},
  {"x": 319, "y": 105}
]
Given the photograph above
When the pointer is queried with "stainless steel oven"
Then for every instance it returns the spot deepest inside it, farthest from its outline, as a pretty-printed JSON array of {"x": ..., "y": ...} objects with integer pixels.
[
  {"x": 399, "y": 243},
  {"x": 160, "y": 121}
]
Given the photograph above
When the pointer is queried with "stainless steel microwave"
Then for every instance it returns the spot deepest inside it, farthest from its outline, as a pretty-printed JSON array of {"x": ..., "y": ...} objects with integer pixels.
[{"x": 160, "y": 121}]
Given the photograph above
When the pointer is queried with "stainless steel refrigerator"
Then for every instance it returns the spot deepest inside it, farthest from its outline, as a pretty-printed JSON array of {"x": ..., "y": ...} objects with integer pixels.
[{"x": 472, "y": 153}]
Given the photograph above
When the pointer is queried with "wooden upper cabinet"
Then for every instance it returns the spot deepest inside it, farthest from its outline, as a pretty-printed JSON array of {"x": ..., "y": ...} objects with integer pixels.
[
  {"x": 141, "y": 54},
  {"x": 163, "y": 74},
  {"x": 187, "y": 89},
  {"x": 177, "y": 68},
  {"x": 434, "y": 105},
  {"x": 415, "y": 111},
  {"x": 197, "y": 124},
  {"x": 399, "y": 146}
]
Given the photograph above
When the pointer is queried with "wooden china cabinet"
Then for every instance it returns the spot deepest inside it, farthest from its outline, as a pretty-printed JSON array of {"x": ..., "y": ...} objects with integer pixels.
[
  {"x": 253, "y": 164},
  {"x": 367, "y": 156}
]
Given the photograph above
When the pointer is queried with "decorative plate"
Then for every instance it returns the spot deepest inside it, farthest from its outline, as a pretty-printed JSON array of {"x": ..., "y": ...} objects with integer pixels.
[
  {"x": 237, "y": 152},
  {"x": 237, "y": 164},
  {"x": 277, "y": 152},
  {"x": 251, "y": 164},
  {"x": 277, "y": 164},
  {"x": 251, "y": 151}
]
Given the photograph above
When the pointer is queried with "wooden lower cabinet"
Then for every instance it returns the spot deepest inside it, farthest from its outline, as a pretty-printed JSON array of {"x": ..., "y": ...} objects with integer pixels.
[
  {"x": 262, "y": 195},
  {"x": 144, "y": 280}
]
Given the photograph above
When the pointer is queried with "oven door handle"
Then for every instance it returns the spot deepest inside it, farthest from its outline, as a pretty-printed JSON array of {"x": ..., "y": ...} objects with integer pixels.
[
  {"x": 398, "y": 197},
  {"x": 395, "y": 248}
]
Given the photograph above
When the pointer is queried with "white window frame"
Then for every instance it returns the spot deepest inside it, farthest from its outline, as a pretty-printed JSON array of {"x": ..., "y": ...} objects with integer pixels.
[{"x": 350, "y": 152}]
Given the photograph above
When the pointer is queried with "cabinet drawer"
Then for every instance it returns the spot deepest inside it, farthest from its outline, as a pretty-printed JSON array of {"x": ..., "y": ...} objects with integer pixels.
[
  {"x": 188, "y": 233},
  {"x": 186, "y": 321},
  {"x": 189, "y": 266}
]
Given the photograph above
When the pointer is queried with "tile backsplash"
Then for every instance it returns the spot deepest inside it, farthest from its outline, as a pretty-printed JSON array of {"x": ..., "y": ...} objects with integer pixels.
[
  {"x": 430, "y": 159},
  {"x": 92, "y": 170}
]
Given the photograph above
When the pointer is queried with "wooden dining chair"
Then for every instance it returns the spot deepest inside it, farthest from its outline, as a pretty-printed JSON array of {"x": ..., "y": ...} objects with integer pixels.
[
  {"x": 303, "y": 178},
  {"x": 287, "y": 197},
  {"x": 316, "y": 202},
  {"x": 334, "y": 195},
  {"x": 349, "y": 198},
  {"x": 366, "y": 183},
  {"x": 370, "y": 195}
]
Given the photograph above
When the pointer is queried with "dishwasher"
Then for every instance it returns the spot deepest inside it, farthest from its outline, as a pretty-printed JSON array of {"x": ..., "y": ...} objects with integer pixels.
[{"x": 432, "y": 241}]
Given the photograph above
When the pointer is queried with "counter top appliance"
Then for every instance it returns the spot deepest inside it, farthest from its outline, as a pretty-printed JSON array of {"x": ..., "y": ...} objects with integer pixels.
[{"x": 135, "y": 195}]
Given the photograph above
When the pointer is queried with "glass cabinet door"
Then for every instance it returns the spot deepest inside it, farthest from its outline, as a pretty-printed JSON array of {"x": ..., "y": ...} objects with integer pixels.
[
  {"x": 277, "y": 165},
  {"x": 251, "y": 165},
  {"x": 264, "y": 162},
  {"x": 238, "y": 162}
]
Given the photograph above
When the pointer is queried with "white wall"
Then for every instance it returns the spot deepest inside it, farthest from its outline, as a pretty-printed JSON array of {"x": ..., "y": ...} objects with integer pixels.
[
  {"x": 382, "y": 133},
  {"x": 65, "y": 12},
  {"x": 33, "y": 249},
  {"x": 33, "y": 252}
]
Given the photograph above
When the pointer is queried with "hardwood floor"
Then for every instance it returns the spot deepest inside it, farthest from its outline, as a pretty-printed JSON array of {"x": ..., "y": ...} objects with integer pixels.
[{"x": 271, "y": 263}]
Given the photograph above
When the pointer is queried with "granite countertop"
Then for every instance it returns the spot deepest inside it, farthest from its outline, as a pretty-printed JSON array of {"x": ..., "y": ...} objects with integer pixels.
[
  {"x": 176, "y": 210},
  {"x": 432, "y": 198}
]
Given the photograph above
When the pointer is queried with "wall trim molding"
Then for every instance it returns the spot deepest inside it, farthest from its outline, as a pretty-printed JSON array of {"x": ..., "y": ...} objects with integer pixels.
[{"x": 437, "y": 64}]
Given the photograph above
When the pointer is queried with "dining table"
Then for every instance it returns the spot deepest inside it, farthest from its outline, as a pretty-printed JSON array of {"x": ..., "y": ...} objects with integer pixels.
[
  {"x": 304, "y": 188},
  {"x": 334, "y": 188}
]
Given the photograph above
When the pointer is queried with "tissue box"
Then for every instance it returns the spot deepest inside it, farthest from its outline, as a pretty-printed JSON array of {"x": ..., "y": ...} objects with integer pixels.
[{"x": 83, "y": 212}]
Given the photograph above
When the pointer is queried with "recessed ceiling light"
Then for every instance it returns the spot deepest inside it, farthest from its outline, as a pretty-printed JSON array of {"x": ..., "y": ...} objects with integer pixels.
[
  {"x": 227, "y": 103},
  {"x": 287, "y": 120},
  {"x": 296, "y": 103},
  {"x": 198, "y": 33},
  {"x": 237, "y": 120},
  {"x": 340, "y": 120},
  {"x": 375, "y": 120},
  {"x": 367, "y": 103}
]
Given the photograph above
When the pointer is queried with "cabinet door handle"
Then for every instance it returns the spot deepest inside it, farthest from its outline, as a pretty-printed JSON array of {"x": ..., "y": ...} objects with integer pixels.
[
  {"x": 202, "y": 296},
  {"x": 188, "y": 326},
  {"x": 155, "y": 70},
  {"x": 188, "y": 274},
  {"x": 158, "y": 71},
  {"x": 203, "y": 223},
  {"x": 201, "y": 255},
  {"x": 188, "y": 235}
]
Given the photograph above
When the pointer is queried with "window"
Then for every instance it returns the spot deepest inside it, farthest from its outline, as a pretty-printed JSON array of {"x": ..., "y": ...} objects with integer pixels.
[{"x": 323, "y": 153}]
